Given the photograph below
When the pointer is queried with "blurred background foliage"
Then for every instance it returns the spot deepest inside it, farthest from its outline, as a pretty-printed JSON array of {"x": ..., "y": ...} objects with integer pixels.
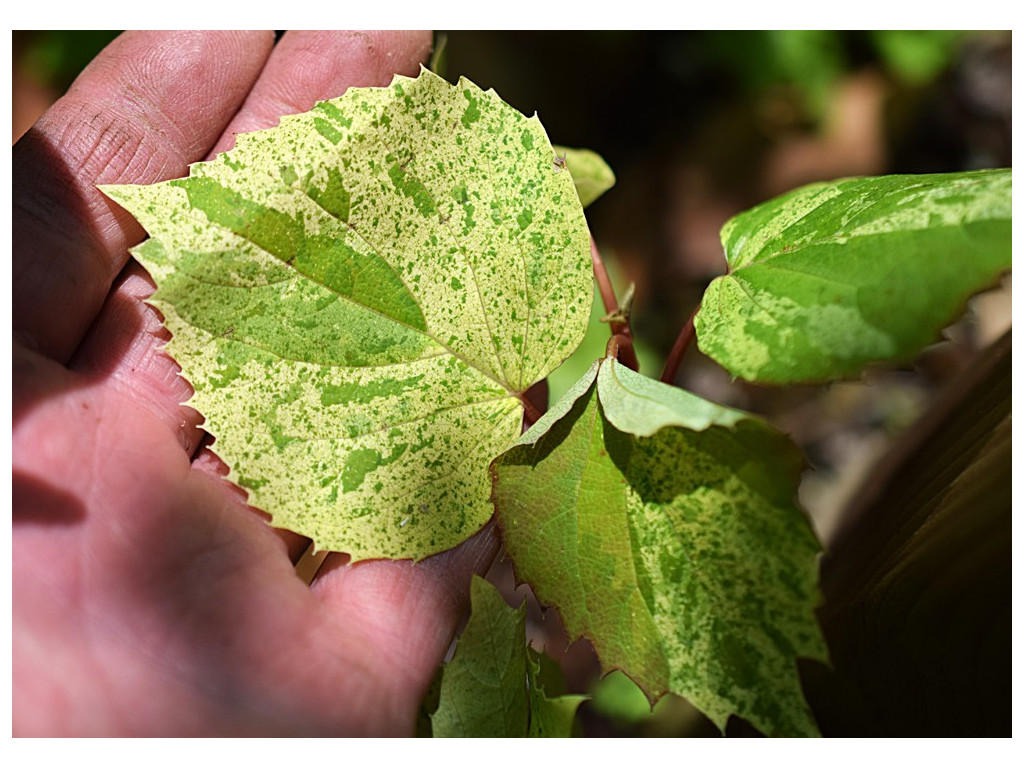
[
  {"x": 697, "y": 127},
  {"x": 700, "y": 125}
]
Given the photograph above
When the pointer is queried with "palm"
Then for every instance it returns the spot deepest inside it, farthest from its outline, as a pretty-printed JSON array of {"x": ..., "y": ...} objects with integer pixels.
[{"x": 148, "y": 598}]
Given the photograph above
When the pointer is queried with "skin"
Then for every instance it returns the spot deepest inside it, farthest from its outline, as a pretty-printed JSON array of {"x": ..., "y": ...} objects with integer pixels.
[{"x": 148, "y": 598}]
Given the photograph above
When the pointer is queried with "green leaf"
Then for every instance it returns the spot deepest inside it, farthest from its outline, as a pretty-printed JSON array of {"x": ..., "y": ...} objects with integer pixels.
[
  {"x": 917, "y": 56},
  {"x": 551, "y": 717},
  {"x": 663, "y": 528},
  {"x": 360, "y": 296},
  {"x": 590, "y": 173},
  {"x": 495, "y": 684},
  {"x": 617, "y": 697},
  {"x": 483, "y": 687},
  {"x": 830, "y": 277}
]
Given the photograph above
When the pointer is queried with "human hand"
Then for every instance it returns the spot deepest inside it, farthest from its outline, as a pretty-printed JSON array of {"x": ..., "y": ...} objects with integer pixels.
[{"x": 148, "y": 599}]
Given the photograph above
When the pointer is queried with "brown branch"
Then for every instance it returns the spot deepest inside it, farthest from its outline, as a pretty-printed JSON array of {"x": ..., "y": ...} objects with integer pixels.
[
  {"x": 675, "y": 357},
  {"x": 627, "y": 353},
  {"x": 611, "y": 349}
]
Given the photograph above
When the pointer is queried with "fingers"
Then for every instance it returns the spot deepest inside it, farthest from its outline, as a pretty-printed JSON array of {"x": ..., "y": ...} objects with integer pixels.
[
  {"x": 408, "y": 611},
  {"x": 307, "y": 67},
  {"x": 151, "y": 103},
  {"x": 123, "y": 348},
  {"x": 303, "y": 68}
]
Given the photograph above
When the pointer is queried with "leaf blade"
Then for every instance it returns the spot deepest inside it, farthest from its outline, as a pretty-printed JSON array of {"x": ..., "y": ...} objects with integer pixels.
[
  {"x": 483, "y": 687},
  {"x": 360, "y": 296},
  {"x": 590, "y": 173},
  {"x": 682, "y": 558},
  {"x": 551, "y": 716},
  {"x": 830, "y": 277}
]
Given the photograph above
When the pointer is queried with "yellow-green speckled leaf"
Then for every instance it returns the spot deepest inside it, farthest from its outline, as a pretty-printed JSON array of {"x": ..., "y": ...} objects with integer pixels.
[
  {"x": 359, "y": 297},
  {"x": 664, "y": 529},
  {"x": 830, "y": 277}
]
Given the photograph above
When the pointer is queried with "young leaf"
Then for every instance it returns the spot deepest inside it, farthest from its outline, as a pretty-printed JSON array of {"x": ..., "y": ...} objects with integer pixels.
[
  {"x": 590, "y": 173},
  {"x": 551, "y": 716},
  {"x": 494, "y": 686},
  {"x": 483, "y": 687},
  {"x": 361, "y": 295},
  {"x": 663, "y": 528},
  {"x": 830, "y": 277},
  {"x": 617, "y": 697}
]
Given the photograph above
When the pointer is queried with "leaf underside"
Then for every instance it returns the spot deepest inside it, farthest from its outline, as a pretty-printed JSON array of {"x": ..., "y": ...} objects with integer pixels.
[
  {"x": 360, "y": 296},
  {"x": 663, "y": 528},
  {"x": 830, "y": 277}
]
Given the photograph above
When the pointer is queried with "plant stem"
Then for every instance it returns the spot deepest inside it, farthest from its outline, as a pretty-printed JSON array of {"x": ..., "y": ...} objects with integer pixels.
[
  {"x": 530, "y": 412},
  {"x": 622, "y": 334},
  {"x": 615, "y": 346},
  {"x": 624, "y": 351},
  {"x": 604, "y": 283},
  {"x": 675, "y": 357}
]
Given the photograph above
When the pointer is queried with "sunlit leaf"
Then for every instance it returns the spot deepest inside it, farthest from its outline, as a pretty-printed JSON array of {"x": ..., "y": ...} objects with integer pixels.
[
  {"x": 360, "y": 296},
  {"x": 663, "y": 528},
  {"x": 830, "y": 277},
  {"x": 616, "y": 696}
]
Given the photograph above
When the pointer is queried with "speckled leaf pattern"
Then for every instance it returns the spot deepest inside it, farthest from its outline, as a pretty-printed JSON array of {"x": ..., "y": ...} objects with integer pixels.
[
  {"x": 832, "y": 276},
  {"x": 493, "y": 686},
  {"x": 360, "y": 295},
  {"x": 664, "y": 529}
]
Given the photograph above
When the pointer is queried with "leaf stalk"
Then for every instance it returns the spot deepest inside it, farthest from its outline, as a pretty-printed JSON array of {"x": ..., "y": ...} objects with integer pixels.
[
  {"x": 678, "y": 352},
  {"x": 622, "y": 334}
]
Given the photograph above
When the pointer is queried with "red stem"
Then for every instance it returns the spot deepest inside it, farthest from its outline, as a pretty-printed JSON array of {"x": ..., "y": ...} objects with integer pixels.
[
  {"x": 535, "y": 403},
  {"x": 626, "y": 352},
  {"x": 530, "y": 412},
  {"x": 604, "y": 283},
  {"x": 622, "y": 334},
  {"x": 675, "y": 357}
]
